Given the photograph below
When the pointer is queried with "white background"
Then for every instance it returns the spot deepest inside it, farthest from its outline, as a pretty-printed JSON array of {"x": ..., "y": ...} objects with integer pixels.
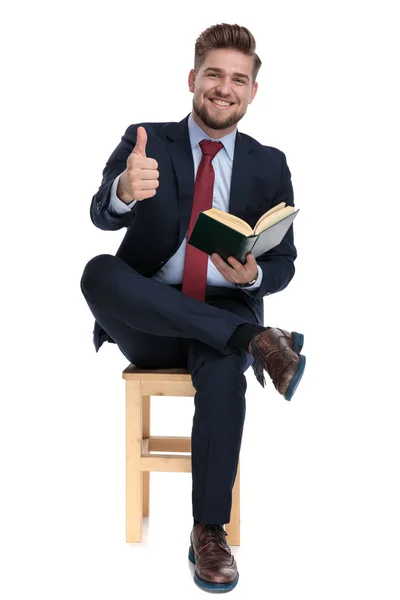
[{"x": 320, "y": 474}]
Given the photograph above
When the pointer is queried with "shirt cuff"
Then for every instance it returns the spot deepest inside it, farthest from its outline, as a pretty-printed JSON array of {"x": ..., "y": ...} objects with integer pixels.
[{"x": 116, "y": 205}]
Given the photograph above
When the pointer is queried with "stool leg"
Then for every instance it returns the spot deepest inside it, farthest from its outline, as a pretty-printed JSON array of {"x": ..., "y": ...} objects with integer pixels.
[
  {"x": 233, "y": 527},
  {"x": 146, "y": 474},
  {"x": 134, "y": 490}
]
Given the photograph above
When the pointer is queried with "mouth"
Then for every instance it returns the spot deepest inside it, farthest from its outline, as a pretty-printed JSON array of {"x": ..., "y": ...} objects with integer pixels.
[{"x": 220, "y": 104}]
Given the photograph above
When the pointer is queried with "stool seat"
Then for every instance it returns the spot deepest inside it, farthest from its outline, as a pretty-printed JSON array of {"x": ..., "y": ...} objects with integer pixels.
[{"x": 142, "y": 448}]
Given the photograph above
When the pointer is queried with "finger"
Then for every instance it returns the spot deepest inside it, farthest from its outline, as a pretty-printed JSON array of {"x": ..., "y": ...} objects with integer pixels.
[
  {"x": 235, "y": 263},
  {"x": 217, "y": 261},
  {"x": 147, "y": 184},
  {"x": 239, "y": 269},
  {"x": 221, "y": 265},
  {"x": 144, "y": 163},
  {"x": 141, "y": 141},
  {"x": 149, "y": 174}
]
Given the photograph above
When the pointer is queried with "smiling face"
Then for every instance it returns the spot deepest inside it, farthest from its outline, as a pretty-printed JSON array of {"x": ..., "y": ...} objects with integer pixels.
[{"x": 222, "y": 90}]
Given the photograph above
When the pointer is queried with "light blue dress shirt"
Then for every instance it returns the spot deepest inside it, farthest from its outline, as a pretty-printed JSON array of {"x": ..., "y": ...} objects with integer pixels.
[{"x": 172, "y": 272}]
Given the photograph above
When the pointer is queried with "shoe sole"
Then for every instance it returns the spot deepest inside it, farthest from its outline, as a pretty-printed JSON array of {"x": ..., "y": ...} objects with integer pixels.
[
  {"x": 296, "y": 378},
  {"x": 207, "y": 585},
  {"x": 297, "y": 345}
]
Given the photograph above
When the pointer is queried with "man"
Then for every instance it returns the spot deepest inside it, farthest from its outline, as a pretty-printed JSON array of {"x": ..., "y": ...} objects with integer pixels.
[{"x": 167, "y": 304}]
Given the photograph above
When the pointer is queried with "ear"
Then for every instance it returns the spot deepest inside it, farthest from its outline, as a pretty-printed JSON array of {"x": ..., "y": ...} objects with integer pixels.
[
  {"x": 191, "y": 80},
  {"x": 253, "y": 92}
]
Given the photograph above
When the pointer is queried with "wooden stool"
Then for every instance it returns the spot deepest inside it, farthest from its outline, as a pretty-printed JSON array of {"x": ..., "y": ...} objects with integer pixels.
[{"x": 140, "y": 385}]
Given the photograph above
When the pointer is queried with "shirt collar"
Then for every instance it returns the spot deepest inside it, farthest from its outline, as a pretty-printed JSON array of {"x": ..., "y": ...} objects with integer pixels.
[{"x": 197, "y": 134}]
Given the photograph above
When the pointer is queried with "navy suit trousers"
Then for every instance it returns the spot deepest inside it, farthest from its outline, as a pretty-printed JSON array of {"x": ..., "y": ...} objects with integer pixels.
[{"x": 155, "y": 325}]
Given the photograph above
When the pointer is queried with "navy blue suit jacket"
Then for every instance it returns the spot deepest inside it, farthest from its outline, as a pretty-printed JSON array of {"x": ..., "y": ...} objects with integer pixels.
[{"x": 157, "y": 226}]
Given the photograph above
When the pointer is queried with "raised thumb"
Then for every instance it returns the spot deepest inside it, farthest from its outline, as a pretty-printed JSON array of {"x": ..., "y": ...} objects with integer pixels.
[{"x": 141, "y": 141}]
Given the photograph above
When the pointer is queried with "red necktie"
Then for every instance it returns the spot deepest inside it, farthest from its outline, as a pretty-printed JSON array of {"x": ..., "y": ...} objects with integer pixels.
[{"x": 196, "y": 262}]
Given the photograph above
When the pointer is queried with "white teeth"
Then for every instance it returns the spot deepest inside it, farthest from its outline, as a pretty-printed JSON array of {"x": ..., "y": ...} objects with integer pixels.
[{"x": 221, "y": 102}]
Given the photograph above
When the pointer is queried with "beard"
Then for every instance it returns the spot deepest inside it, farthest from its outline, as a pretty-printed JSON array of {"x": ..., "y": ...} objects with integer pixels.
[{"x": 216, "y": 123}]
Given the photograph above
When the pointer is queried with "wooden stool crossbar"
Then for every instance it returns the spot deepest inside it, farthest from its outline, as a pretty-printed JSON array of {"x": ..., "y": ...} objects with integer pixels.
[{"x": 142, "y": 448}]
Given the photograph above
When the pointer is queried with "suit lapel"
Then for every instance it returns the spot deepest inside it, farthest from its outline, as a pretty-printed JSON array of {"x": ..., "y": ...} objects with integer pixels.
[
  {"x": 178, "y": 146},
  {"x": 242, "y": 176}
]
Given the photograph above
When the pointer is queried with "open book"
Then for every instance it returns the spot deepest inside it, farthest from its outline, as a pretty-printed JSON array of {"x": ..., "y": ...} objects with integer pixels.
[{"x": 227, "y": 235}]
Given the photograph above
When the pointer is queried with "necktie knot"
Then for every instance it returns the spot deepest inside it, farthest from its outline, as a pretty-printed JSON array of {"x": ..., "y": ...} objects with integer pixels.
[{"x": 210, "y": 148}]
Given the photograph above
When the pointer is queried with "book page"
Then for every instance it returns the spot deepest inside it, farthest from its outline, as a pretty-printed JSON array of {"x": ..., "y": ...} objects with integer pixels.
[
  {"x": 271, "y": 218},
  {"x": 229, "y": 220},
  {"x": 270, "y": 211}
]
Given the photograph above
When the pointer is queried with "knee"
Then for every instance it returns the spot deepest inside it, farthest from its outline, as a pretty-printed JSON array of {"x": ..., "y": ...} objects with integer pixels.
[
  {"x": 94, "y": 273},
  {"x": 224, "y": 377}
]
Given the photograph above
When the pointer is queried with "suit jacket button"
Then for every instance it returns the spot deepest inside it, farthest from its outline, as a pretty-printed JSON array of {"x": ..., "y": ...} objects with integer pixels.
[{"x": 98, "y": 204}]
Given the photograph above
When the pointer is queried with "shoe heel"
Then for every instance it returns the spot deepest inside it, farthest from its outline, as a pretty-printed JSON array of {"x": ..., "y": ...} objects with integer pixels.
[
  {"x": 297, "y": 342},
  {"x": 191, "y": 556}
]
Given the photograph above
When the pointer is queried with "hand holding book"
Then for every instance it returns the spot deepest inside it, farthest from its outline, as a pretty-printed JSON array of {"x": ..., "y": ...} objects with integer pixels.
[
  {"x": 216, "y": 231},
  {"x": 234, "y": 271}
]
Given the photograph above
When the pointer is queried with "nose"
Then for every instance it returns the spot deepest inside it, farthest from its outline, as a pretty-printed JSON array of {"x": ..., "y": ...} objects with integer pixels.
[{"x": 224, "y": 86}]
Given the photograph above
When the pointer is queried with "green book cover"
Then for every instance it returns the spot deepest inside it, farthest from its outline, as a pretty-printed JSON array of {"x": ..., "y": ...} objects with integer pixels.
[{"x": 210, "y": 235}]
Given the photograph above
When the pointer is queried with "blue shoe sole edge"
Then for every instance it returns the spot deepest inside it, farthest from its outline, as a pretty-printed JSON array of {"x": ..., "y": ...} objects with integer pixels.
[
  {"x": 296, "y": 378},
  {"x": 211, "y": 587}
]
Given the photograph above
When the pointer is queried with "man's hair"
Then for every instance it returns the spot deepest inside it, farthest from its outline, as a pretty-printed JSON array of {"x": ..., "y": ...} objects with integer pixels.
[{"x": 226, "y": 36}]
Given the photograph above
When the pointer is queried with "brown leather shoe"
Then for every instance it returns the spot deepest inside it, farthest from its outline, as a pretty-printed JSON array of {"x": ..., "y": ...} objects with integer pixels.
[
  {"x": 216, "y": 569},
  {"x": 275, "y": 351}
]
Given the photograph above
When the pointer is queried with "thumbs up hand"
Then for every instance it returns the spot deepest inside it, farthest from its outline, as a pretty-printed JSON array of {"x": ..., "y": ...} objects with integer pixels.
[{"x": 139, "y": 181}]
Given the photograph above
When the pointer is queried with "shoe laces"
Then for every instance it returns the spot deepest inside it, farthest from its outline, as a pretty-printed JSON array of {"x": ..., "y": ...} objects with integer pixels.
[
  {"x": 214, "y": 533},
  {"x": 258, "y": 370}
]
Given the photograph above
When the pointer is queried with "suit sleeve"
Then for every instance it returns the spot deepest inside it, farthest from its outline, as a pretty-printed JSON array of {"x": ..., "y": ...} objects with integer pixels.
[
  {"x": 101, "y": 213},
  {"x": 278, "y": 263}
]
